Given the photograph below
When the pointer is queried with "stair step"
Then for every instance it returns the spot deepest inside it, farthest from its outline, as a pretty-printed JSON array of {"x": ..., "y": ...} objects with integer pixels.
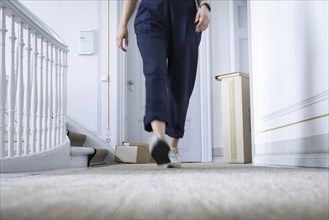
[
  {"x": 80, "y": 156},
  {"x": 76, "y": 139},
  {"x": 78, "y": 151}
]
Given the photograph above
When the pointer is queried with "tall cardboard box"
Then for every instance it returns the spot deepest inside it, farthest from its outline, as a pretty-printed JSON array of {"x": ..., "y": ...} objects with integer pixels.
[{"x": 236, "y": 117}]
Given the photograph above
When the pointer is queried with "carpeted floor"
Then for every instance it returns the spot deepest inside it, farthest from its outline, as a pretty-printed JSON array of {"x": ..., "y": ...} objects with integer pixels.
[{"x": 196, "y": 191}]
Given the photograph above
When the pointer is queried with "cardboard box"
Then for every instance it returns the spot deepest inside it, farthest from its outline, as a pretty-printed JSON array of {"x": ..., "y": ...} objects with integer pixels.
[
  {"x": 138, "y": 144},
  {"x": 132, "y": 154},
  {"x": 236, "y": 117}
]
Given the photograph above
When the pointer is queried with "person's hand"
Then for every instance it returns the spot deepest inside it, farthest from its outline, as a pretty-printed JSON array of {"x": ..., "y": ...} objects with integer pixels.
[
  {"x": 122, "y": 37},
  {"x": 202, "y": 19}
]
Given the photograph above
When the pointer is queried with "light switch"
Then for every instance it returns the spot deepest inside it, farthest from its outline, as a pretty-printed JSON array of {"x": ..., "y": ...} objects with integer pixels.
[{"x": 105, "y": 77}]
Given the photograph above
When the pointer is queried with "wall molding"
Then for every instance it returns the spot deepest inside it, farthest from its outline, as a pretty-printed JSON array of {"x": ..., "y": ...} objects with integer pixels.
[
  {"x": 323, "y": 96},
  {"x": 294, "y": 123}
]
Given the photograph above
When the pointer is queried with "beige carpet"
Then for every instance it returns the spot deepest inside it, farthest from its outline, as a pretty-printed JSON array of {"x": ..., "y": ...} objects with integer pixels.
[{"x": 196, "y": 191}]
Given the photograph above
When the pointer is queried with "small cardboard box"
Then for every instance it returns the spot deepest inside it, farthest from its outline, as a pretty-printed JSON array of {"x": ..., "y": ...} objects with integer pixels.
[
  {"x": 132, "y": 154},
  {"x": 138, "y": 144}
]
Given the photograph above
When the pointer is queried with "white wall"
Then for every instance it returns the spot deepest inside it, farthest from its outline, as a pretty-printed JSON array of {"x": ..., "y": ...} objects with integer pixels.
[{"x": 290, "y": 82}]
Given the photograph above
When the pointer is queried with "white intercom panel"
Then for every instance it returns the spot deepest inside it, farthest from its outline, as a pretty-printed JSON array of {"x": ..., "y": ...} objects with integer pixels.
[{"x": 86, "y": 42}]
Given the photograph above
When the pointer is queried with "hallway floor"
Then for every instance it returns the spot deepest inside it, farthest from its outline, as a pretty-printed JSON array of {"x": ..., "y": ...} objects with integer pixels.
[{"x": 145, "y": 191}]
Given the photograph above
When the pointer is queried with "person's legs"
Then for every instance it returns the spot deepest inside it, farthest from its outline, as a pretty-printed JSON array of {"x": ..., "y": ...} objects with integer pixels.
[
  {"x": 152, "y": 40},
  {"x": 173, "y": 143},
  {"x": 159, "y": 128},
  {"x": 166, "y": 29},
  {"x": 175, "y": 161},
  {"x": 182, "y": 65}
]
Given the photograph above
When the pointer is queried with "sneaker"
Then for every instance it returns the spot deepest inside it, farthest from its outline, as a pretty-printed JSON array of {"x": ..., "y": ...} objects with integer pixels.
[
  {"x": 174, "y": 159},
  {"x": 159, "y": 150}
]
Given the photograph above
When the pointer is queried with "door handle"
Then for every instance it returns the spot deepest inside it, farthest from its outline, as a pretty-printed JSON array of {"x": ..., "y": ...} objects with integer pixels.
[{"x": 131, "y": 83}]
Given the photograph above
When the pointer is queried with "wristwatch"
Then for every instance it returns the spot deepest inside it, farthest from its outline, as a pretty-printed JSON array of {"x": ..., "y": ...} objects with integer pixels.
[{"x": 207, "y": 5}]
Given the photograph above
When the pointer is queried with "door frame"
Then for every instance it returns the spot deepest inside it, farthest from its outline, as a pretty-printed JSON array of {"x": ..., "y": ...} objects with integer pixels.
[
  {"x": 205, "y": 95},
  {"x": 234, "y": 49},
  {"x": 234, "y": 64}
]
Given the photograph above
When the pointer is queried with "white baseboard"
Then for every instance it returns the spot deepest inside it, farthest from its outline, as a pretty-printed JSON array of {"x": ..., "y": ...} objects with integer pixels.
[
  {"x": 309, "y": 151},
  {"x": 302, "y": 160},
  {"x": 92, "y": 139},
  {"x": 218, "y": 159}
]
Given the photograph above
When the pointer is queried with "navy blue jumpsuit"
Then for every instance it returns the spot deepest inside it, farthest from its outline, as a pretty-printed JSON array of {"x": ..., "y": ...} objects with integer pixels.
[{"x": 168, "y": 44}]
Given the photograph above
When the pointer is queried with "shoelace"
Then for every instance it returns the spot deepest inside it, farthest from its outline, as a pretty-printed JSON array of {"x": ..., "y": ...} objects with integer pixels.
[{"x": 174, "y": 155}]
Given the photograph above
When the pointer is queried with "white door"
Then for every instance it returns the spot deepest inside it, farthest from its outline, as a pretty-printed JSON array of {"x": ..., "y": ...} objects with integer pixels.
[
  {"x": 239, "y": 32},
  {"x": 190, "y": 145}
]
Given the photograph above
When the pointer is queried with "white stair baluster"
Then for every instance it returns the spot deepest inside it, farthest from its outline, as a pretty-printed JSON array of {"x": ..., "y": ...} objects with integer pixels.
[
  {"x": 40, "y": 99},
  {"x": 64, "y": 94},
  {"x": 20, "y": 93},
  {"x": 12, "y": 93},
  {"x": 55, "y": 97},
  {"x": 59, "y": 123},
  {"x": 3, "y": 84},
  {"x": 63, "y": 99},
  {"x": 34, "y": 94},
  {"x": 50, "y": 109},
  {"x": 27, "y": 94},
  {"x": 45, "y": 112}
]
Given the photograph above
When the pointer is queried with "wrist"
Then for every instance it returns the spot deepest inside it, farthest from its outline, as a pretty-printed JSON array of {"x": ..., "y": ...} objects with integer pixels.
[
  {"x": 123, "y": 24},
  {"x": 205, "y": 4}
]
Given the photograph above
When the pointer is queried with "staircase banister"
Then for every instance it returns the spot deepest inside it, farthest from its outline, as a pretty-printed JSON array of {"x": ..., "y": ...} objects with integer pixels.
[{"x": 33, "y": 22}]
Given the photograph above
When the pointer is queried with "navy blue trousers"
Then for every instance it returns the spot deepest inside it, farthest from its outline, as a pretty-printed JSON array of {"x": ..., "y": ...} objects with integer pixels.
[{"x": 168, "y": 44}]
